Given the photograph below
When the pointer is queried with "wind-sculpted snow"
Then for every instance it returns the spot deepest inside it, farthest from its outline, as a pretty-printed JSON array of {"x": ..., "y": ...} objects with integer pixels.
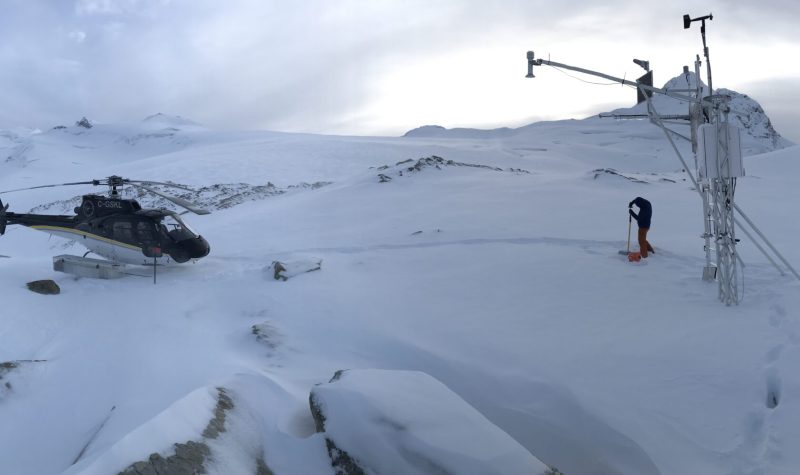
[
  {"x": 14, "y": 150},
  {"x": 379, "y": 421}
]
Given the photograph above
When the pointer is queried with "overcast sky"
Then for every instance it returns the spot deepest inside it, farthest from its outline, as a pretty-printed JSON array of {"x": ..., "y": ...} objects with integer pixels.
[{"x": 374, "y": 67}]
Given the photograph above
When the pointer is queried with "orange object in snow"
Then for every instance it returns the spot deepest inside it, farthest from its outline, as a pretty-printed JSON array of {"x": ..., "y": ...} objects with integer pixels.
[{"x": 635, "y": 256}]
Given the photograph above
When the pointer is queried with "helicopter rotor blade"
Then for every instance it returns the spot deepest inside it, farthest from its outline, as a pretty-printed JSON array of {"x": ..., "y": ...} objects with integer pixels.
[
  {"x": 178, "y": 201},
  {"x": 93, "y": 182},
  {"x": 148, "y": 182}
]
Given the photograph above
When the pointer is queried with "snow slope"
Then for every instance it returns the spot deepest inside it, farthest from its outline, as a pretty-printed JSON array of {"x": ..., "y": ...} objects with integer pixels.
[{"x": 502, "y": 281}]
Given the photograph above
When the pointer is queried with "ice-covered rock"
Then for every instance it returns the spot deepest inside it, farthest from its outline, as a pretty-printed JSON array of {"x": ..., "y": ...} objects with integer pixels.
[{"x": 758, "y": 134}]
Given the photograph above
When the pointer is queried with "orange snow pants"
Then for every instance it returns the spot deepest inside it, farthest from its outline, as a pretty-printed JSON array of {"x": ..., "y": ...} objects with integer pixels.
[{"x": 644, "y": 246}]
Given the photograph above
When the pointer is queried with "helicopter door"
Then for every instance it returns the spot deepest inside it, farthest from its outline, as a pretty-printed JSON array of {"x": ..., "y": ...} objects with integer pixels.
[
  {"x": 147, "y": 237},
  {"x": 120, "y": 232},
  {"x": 123, "y": 232},
  {"x": 146, "y": 233}
]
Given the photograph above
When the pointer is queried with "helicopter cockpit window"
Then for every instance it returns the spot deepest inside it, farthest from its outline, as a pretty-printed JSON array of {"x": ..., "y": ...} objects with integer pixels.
[
  {"x": 146, "y": 231},
  {"x": 176, "y": 228},
  {"x": 123, "y": 231}
]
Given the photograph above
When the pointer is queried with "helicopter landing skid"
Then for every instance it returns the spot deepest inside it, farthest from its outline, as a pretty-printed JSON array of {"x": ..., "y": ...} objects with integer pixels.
[{"x": 88, "y": 267}]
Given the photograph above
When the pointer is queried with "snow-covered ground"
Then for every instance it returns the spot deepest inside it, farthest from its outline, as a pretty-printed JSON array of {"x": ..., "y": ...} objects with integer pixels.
[{"x": 502, "y": 281}]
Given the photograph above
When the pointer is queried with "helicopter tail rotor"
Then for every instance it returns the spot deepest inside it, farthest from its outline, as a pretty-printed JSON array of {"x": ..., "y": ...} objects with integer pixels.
[{"x": 3, "y": 218}]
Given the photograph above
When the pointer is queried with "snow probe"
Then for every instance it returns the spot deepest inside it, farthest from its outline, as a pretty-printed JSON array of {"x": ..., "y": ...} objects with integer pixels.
[{"x": 628, "y": 251}]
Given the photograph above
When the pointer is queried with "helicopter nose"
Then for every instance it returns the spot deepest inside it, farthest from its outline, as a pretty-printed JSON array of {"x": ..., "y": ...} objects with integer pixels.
[
  {"x": 197, "y": 247},
  {"x": 192, "y": 248}
]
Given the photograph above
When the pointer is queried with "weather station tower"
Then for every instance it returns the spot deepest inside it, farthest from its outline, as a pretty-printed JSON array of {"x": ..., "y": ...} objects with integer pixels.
[{"x": 717, "y": 148}]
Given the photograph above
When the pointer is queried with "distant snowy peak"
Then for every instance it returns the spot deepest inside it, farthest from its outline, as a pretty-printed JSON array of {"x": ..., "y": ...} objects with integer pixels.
[
  {"x": 437, "y": 131},
  {"x": 165, "y": 121},
  {"x": 426, "y": 131}
]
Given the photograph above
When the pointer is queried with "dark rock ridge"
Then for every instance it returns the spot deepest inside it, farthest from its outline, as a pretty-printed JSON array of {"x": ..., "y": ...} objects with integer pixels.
[
  {"x": 643, "y": 178},
  {"x": 439, "y": 163}
]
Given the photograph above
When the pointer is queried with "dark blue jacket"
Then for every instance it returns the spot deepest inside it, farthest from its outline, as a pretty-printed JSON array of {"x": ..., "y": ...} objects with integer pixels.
[{"x": 645, "y": 212}]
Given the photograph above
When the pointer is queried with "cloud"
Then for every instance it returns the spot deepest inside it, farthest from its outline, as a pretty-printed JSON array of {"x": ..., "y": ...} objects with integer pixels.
[
  {"x": 77, "y": 35},
  {"x": 353, "y": 66},
  {"x": 116, "y": 7}
]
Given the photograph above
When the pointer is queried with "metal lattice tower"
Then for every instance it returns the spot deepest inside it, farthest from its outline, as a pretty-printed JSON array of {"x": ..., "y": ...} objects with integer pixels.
[{"x": 718, "y": 203}]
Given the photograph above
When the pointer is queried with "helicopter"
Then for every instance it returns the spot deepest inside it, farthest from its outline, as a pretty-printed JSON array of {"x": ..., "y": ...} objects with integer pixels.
[{"x": 119, "y": 229}]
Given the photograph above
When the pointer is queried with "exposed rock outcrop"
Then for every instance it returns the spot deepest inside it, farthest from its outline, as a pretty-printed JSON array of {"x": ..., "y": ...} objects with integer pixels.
[
  {"x": 191, "y": 456},
  {"x": 410, "y": 166},
  {"x": 44, "y": 287},
  {"x": 84, "y": 122},
  {"x": 285, "y": 270}
]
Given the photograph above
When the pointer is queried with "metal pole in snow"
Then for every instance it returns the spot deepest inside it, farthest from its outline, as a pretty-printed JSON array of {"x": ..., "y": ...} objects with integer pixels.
[{"x": 761, "y": 235}]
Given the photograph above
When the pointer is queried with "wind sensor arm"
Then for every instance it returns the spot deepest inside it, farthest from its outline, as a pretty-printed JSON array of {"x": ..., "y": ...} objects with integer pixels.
[{"x": 538, "y": 62}]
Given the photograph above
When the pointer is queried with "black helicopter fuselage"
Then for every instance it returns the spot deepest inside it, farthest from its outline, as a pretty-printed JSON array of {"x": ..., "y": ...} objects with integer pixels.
[{"x": 120, "y": 230}]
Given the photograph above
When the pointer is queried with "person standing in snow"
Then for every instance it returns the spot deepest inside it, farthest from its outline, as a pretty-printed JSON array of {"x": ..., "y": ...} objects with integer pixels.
[{"x": 643, "y": 220}]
